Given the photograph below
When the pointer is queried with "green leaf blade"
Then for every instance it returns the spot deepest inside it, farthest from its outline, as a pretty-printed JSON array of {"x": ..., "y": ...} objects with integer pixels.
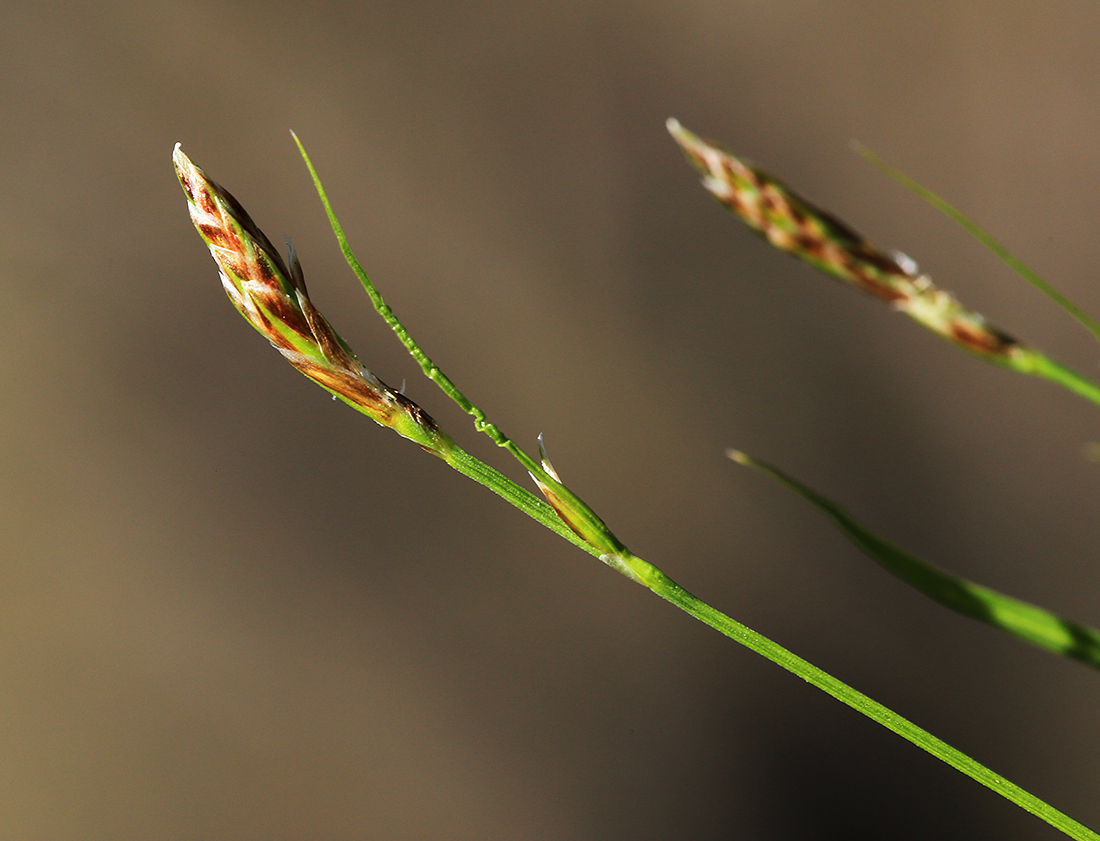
[{"x": 1029, "y": 622}]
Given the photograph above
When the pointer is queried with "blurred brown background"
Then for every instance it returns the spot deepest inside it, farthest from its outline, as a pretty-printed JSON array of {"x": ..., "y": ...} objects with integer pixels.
[{"x": 232, "y": 608}]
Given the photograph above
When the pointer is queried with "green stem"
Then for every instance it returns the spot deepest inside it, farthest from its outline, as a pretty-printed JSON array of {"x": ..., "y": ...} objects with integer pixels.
[
  {"x": 1042, "y": 366},
  {"x": 518, "y": 496},
  {"x": 430, "y": 369},
  {"x": 670, "y": 590}
]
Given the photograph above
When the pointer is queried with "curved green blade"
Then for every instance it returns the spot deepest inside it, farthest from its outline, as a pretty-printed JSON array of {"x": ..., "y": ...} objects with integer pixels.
[{"x": 1031, "y": 623}]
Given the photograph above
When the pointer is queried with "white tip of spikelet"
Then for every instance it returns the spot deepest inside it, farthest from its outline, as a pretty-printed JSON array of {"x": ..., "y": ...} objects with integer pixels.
[
  {"x": 545, "y": 459},
  {"x": 178, "y": 157},
  {"x": 738, "y": 456}
]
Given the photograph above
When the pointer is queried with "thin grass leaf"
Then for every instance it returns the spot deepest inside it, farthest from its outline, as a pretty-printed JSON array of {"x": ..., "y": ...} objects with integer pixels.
[
  {"x": 792, "y": 224},
  {"x": 983, "y": 236},
  {"x": 573, "y": 511},
  {"x": 1029, "y": 622}
]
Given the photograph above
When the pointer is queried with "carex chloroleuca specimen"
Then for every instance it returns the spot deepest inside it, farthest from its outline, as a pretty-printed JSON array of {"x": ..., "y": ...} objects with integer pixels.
[{"x": 271, "y": 294}]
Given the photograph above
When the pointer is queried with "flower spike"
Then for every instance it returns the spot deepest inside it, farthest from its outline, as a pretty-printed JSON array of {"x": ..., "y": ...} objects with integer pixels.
[
  {"x": 271, "y": 295},
  {"x": 792, "y": 224}
]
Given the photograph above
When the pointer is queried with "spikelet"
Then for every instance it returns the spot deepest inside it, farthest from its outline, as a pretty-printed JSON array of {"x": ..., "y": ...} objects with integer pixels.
[
  {"x": 794, "y": 225},
  {"x": 271, "y": 295}
]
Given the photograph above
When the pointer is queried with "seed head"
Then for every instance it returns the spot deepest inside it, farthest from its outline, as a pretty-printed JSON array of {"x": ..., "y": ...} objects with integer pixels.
[
  {"x": 792, "y": 224},
  {"x": 271, "y": 295}
]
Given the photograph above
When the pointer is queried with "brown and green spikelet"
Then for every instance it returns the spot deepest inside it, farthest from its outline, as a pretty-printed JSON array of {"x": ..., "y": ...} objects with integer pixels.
[
  {"x": 794, "y": 225},
  {"x": 272, "y": 297}
]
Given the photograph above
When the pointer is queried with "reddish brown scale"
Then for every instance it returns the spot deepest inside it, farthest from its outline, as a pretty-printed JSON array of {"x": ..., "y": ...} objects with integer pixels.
[
  {"x": 348, "y": 387},
  {"x": 562, "y": 512},
  {"x": 267, "y": 273},
  {"x": 231, "y": 263},
  {"x": 367, "y": 398},
  {"x": 828, "y": 256},
  {"x": 769, "y": 200},
  {"x": 280, "y": 313},
  {"x": 219, "y": 236},
  {"x": 809, "y": 243},
  {"x": 416, "y": 413},
  {"x": 984, "y": 341},
  {"x": 805, "y": 224},
  {"x": 883, "y": 262},
  {"x": 774, "y": 200},
  {"x": 205, "y": 202},
  {"x": 874, "y": 286},
  {"x": 854, "y": 269},
  {"x": 798, "y": 215},
  {"x": 261, "y": 322},
  {"x": 331, "y": 350},
  {"x": 322, "y": 333},
  {"x": 289, "y": 317},
  {"x": 188, "y": 186}
]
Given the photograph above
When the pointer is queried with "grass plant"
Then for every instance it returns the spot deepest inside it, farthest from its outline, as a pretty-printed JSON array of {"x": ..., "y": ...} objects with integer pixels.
[{"x": 270, "y": 293}]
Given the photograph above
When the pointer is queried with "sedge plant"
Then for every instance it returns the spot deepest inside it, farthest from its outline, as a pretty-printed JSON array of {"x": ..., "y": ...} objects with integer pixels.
[{"x": 270, "y": 293}]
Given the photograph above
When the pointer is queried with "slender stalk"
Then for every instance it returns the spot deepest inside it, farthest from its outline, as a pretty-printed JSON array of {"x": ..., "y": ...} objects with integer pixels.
[
  {"x": 662, "y": 585},
  {"x": 872, "y": 709},
  {"x": 1047, "y": 368}
]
